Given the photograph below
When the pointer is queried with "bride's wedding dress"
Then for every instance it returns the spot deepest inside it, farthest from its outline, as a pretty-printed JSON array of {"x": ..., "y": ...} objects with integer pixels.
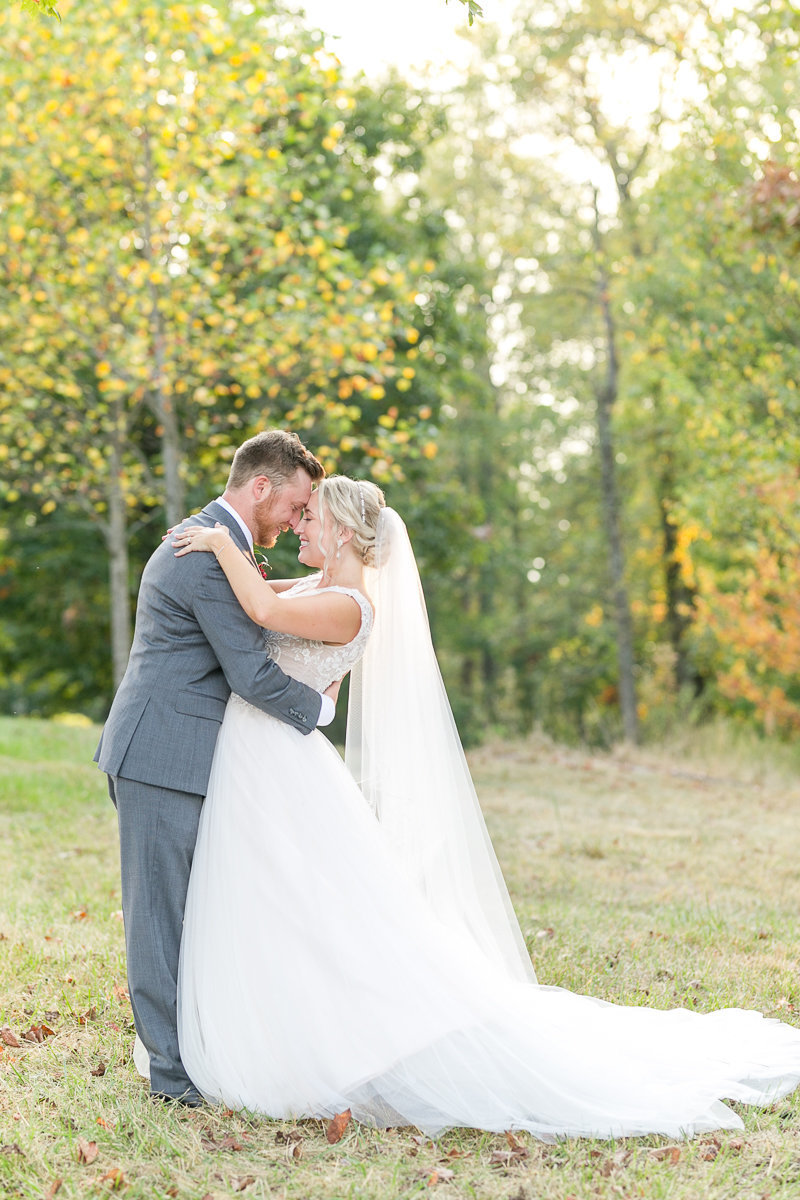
[{"x": 316, "y": 977}]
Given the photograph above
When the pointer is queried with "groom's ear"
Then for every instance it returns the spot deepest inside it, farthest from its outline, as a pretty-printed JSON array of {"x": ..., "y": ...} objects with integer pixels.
[{"x": 260, "y": 487}]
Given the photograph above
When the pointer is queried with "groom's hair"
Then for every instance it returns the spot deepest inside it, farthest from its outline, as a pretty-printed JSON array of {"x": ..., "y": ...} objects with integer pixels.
[{"x": 276, "y": 453}]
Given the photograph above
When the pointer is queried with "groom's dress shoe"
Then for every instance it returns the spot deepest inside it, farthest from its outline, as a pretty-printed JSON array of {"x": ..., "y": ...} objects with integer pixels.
[{"x": 187, "y": 1099}]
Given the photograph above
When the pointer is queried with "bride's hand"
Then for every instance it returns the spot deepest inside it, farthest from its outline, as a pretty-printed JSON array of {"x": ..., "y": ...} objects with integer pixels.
[
  {"x": 333, "y": 690},
  {"x": 197, "y": 537}
]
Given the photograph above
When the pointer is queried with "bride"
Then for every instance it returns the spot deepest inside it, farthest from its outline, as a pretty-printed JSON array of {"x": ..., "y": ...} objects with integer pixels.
[{"x": 351, "y": 945}]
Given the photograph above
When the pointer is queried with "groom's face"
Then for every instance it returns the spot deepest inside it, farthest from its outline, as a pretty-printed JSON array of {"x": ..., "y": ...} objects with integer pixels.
[{"x": 280, "y": 508}]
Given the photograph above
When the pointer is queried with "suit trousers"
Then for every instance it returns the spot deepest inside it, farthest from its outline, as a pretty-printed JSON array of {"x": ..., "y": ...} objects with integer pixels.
[{"x": 157, "y": 834}]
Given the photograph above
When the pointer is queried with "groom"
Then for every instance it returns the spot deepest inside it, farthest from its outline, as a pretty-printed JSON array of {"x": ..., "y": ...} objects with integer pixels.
[{"x": 193, "y": 646}]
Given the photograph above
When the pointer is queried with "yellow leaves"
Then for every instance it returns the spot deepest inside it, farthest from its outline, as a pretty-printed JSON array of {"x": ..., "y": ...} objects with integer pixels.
[
  {"x": 429, "y": 450},
  {"x": 103, "y": 369},
  {"x": 594, "y": 617},
  {"x": 17, "y": 233}
]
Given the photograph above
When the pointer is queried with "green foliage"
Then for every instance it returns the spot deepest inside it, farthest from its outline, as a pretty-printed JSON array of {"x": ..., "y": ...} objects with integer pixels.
[
  {"x": 204, "y": 231},
  {"x": 46, "y": 8}
]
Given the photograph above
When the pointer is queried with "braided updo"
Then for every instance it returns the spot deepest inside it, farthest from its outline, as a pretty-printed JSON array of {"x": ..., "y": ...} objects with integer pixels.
[{"x": 353, "y": 504}]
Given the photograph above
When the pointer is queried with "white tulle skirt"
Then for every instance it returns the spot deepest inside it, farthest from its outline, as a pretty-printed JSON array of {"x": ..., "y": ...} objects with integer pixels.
[{"x": 313, "y": 980}]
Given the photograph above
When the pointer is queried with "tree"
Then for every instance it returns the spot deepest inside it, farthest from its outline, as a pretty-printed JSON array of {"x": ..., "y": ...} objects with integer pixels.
[{"x": 173, "y": 269}]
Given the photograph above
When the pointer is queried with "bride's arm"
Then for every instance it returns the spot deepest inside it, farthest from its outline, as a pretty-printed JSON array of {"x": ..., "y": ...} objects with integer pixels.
[
  {"x": 325, "y": 617},
  {"x": 281, "y": 585}
]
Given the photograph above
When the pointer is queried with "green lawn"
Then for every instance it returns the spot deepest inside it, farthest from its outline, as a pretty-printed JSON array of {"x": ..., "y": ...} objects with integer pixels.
[{"x": 644, "y": 877}]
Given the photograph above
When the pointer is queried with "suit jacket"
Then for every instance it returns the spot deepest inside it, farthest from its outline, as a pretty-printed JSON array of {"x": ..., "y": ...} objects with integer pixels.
[{"x": 192, "y": 647}]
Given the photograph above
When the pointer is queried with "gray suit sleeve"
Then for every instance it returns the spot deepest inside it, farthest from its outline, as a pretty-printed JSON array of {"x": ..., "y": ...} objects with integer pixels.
[{"x": 239, "y": 647}]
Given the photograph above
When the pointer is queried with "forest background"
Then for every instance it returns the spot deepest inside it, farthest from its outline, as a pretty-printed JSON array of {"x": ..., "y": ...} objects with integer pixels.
[{"x": 553, "y": 311}]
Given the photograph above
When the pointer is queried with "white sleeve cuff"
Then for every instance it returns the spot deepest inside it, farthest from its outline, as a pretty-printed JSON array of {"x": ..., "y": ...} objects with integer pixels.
[{"x": 327, "y": 712}]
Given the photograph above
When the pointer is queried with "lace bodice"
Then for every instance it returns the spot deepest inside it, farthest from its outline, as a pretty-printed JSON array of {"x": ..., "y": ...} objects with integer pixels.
[{"x": 315, "y": 663}]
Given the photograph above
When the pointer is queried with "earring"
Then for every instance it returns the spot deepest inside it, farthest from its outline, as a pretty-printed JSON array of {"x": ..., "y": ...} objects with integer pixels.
[{"x": 339, "y": 548}]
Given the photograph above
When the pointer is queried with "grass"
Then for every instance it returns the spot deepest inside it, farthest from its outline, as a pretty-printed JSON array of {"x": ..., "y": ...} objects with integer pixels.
[{"x": 665, "y": 877}]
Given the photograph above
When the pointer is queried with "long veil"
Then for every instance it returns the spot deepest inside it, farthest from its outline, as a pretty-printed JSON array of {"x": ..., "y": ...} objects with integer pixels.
[{"x": 404, "y": 751}]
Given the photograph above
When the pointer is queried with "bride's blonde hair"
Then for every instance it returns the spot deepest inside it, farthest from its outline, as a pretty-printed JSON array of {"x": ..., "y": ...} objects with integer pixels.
[{"x": 352, "y": 504}]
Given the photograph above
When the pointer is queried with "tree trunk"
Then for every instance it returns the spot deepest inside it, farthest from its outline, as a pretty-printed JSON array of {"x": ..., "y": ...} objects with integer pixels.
[
  {"x": 160, "y": 398},
  {"x": 606, "y": 396},
  {"x": 118, "y": 556}
]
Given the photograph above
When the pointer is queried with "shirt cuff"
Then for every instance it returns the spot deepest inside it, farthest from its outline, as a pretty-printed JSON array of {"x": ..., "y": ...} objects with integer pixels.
[{"x": 327, "y": 712}]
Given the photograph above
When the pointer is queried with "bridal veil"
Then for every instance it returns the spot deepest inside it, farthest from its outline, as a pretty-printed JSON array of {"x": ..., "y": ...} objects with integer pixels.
[{"x": 404, "y": 751}]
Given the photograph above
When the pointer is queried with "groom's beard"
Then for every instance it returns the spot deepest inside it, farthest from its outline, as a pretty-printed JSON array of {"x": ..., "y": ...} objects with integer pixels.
[{"x": 265, "y": 523}]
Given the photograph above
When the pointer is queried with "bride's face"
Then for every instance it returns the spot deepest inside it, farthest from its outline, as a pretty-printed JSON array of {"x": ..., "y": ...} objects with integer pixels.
[{"x": 315, "y": 544}]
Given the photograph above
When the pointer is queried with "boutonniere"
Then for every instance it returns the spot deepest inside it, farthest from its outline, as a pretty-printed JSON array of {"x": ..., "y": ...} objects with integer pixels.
[{"x": 262, "y": 562}]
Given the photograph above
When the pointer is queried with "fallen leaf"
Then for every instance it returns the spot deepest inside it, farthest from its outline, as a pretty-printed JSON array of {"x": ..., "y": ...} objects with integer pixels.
[
  {"x": 294, "y": 1150},
  {"x": 38, "y": 1033},
  {"x": 228, "y": 1143},
  {"x": 114, "y": 1178},
  {"x": 51, "y": 1191},
  {"x": 89, "y": 1015},
  {"x": 87, "y": 1151},
  {"x": 8, "y": 1038},
  {"x": 440, "y": 1175},
  {"x": 104, "y": 1124},
  {"x": 670, "y": 1154},
  {"x": 735, "y": 1145},
  {"x": 516, "y": 1147},
  {"x": 240, "y": 1184},
  {"x": 335, "y": 1128},
  {"x": 80, "y": 914},
  {"x": 291, "y": 1135},
  {"x": 709, "y": 1148},
  {"x": 99, "y": 1070},
  {"x": 11, "y": 1148},
  {"x": 503, "y": 1158},
  {"x": 121, "y": 993}
]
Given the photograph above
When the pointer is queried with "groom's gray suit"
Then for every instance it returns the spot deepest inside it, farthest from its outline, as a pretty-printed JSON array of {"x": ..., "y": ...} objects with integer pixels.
[{"x": 192, "y": 647}]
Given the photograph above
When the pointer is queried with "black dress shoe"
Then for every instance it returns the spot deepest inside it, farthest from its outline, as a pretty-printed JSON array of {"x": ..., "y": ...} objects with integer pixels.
[{"x": 187, "y": 1099}]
